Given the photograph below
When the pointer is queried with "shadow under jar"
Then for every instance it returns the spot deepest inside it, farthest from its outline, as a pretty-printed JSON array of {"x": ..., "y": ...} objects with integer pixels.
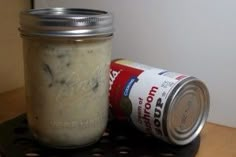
[{"x": 66, "y": 58}]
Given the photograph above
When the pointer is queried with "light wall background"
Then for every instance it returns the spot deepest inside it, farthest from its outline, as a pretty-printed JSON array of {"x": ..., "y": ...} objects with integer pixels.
[
  {"x": 196, "y": 37},
  {"x": 11, "y": 60}
]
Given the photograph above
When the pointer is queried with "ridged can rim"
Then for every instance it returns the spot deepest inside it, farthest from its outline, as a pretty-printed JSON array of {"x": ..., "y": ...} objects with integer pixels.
[{"x": 187, "y": 112}]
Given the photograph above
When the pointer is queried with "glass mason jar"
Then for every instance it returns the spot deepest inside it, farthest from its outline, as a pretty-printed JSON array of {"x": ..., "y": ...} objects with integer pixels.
[{"x": 66, "y": 59}]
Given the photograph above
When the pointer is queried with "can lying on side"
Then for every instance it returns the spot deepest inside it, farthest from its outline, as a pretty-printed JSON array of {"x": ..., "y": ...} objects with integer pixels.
[{"x": 169, "y": 105}]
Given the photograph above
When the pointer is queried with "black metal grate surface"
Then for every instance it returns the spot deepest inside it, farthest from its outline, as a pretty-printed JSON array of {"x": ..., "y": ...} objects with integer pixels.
[{"x": 120, "y": 140}]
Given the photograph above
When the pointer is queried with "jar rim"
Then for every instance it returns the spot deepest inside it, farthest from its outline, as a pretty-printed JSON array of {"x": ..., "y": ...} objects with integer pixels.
[{"x": 66, "y": 22}]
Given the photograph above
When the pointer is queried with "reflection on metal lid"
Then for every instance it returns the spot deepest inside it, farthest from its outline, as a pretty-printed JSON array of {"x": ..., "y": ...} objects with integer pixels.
[
  {"x": 65, "y": 22},
  {"x": 188, "y": 111}
]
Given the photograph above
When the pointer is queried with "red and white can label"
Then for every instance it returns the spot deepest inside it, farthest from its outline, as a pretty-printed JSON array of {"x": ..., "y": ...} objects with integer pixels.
[{"x": 140, "y": 92}]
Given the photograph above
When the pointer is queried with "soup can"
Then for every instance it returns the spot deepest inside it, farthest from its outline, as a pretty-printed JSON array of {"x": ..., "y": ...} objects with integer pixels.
[{"x": 168, "y": 105}]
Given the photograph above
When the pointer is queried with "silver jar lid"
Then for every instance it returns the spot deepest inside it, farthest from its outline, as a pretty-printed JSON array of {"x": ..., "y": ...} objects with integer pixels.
[{"x": 66, "y": 22}]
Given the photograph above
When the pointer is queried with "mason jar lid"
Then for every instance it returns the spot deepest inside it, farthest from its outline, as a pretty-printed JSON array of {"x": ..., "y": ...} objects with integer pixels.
[{"x": 66, "y": 22}]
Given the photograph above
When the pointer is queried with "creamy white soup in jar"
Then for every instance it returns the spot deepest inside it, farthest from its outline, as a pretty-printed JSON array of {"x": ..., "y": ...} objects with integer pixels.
[{"x": 66, "y": 81}]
